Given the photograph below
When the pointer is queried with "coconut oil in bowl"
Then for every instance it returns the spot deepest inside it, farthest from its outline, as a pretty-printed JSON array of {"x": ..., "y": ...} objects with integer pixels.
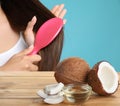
[{"x": 76, "y": 93}]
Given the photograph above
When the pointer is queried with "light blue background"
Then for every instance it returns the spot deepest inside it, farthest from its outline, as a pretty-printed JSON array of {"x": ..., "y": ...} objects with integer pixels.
[{"x": 92, "y": 31}]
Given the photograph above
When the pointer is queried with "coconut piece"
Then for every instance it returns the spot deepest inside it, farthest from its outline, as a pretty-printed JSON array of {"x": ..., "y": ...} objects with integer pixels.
[
  {"x": 42, "y": 94},
  {"x": 51, "y": 99},
  {"x": 53, "y": 88},
  {"x": 103, "y": 78},
  {"x": 72, "y": 70},
  {"x": 52, "y": 94},
  {"x": 55, "y": 99},
  {"x": 49, "y": 87}
]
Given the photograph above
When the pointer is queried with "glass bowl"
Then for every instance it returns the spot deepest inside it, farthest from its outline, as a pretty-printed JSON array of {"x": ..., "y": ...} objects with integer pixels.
[{"x": 76, "y": 93}]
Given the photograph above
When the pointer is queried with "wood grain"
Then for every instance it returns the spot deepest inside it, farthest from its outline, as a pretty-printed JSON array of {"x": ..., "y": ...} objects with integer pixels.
[
  {"x": 20, "y": 89},
  {"x": 24, "y": 85}
]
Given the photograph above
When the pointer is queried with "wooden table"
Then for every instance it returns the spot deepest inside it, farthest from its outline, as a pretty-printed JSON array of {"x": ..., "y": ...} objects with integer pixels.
[{"x": 19, "y": 89}]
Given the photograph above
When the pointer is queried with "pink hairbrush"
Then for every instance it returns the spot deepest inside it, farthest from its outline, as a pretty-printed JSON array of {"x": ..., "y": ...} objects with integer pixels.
[{"x": 47, "y": 33}]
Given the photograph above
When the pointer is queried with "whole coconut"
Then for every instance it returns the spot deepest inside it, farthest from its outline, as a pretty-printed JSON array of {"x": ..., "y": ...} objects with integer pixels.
[{"x": 72, "y": 70}]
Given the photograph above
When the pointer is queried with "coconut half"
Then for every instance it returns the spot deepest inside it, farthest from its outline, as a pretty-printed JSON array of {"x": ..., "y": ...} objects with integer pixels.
[{"x": 103, "y": 78}]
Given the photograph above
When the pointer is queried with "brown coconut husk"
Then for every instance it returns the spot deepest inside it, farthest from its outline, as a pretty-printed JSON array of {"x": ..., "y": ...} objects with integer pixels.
[
  {"x": 72, "y": 70},
  {"x": 94, "y": 81}
]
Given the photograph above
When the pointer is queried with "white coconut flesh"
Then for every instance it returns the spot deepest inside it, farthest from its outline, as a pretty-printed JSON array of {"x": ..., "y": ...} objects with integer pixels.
[
  {"x": 52, "y": 94},
  {"x": 108, "y": 77}
]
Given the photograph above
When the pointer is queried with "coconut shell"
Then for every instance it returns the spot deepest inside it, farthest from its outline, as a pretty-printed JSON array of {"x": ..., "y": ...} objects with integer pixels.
[
  {"x": 94, "y": 81},
  {"x": 72, "y": 70}
]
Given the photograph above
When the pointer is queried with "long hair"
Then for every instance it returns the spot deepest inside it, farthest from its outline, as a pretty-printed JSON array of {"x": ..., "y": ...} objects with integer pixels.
[{"x": 20, "y": 12}]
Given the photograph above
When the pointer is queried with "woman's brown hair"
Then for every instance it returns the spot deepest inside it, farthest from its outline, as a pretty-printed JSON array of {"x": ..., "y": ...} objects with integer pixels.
[{"x": 20, "y": 12}]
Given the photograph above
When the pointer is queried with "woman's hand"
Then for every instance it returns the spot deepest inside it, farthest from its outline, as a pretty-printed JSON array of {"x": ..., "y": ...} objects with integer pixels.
[
  {"x": 28, "y": 33},
  {"x": 59, "y": 11},
  {"x": 22, "y": 62}
]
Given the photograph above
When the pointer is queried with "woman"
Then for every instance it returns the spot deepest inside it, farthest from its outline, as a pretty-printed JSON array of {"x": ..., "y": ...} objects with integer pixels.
[{"x": 21, "y": 19}]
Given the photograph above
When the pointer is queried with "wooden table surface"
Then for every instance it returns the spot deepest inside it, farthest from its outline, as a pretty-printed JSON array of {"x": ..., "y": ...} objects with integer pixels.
[{"x": 19, "y": 89}]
